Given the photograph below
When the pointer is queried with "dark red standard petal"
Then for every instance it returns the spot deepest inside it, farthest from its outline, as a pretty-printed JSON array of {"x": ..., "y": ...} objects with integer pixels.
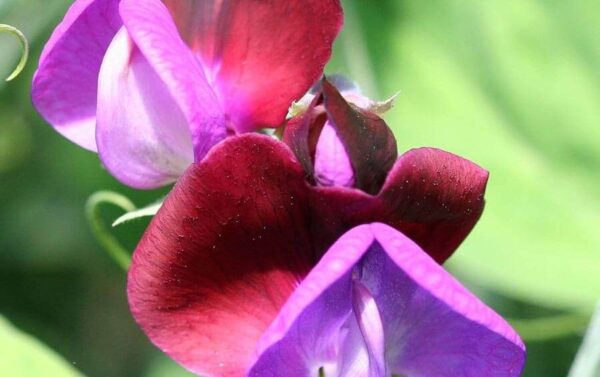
[{"x": 222, "y": 255}]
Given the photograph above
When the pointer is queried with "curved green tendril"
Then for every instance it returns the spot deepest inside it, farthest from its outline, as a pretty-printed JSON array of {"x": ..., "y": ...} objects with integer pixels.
[
  {"x": 92, "y": 210},
  {"x": 548, "y": 328},
  {"x": 24, "y": 46}
]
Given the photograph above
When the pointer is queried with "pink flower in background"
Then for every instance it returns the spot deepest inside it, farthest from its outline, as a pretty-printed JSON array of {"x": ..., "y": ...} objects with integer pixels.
[{"x": 152, "y": 86}]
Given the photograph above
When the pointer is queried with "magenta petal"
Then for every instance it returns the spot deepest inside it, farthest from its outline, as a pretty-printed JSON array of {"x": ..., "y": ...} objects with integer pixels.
[
  {"x": 264, "y": 54},
  {"x": 222, "y": 255},
  {"x": 65, "y": 84},
  {"x": 142, "y": 135},
  {"x": 151, "y": 27},
  {"x": 430, "y": 325}
]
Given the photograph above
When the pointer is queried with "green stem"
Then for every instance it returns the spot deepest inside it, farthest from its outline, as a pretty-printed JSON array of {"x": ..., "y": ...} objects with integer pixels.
[
  {"x": 548, "y": 328},
  {"x": 24, "y": 46},
  {"x": 92, "y": 210}
]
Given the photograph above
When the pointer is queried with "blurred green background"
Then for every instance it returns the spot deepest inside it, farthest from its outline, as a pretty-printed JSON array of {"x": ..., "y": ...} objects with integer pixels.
[{"x": 511, "y": 85}]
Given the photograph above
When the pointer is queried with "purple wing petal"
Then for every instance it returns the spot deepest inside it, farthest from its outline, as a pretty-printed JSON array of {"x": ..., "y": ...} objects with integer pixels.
[
  {"x": 222, "y": 255},
  {"x": 142, "y": 135},
  {"x": 65, "y": 84},
  {"x": 375, "y": 286},
  {"x": 151, "y": 27},
  {"x": 308, "y": 333},
  {"x": 434, "y": 326},
  {"x": 263, "y": 54}
]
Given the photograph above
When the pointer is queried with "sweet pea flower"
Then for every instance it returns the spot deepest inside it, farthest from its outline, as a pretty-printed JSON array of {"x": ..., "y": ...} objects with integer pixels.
[
  {"x": 252, "y": 268},
  {"x": 152, "y": 85},
  {"x": 237, "y": 276}
]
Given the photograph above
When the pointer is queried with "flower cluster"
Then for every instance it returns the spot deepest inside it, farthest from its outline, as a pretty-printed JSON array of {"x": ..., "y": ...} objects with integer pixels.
[{"x": 317, "y": 254}]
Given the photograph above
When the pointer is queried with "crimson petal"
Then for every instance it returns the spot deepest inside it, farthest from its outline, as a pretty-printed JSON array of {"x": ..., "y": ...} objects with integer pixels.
[
  {"x": 222, "y": 255},
  {"x": 435, "y": 198},
  {"x": 432, "y": 196},
  {"x": 262, "y": 54}
]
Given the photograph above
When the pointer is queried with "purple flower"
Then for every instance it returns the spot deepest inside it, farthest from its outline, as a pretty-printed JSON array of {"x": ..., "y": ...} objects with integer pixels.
[
  {"x": 236, "y": 274},
  {"x": 376, "y": 305},
  {"x": 152, "y": 86}
]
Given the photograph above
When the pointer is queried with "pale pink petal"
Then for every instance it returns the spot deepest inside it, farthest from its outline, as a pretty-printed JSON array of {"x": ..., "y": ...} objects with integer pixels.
[
  {"x": 151, "y": 27},
  {"x": 142, "y": 134}
]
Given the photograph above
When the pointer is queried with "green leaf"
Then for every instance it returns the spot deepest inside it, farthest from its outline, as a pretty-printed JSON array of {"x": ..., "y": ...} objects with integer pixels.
[
  {"x": 149, "y": 210},
  {"x": 21, "y": 355},
  {"x": 587, "y": 361},
  {"x": 513, "y": 86}
]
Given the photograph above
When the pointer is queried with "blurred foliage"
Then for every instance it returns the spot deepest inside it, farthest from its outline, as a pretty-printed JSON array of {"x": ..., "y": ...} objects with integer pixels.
[
  {"x": 514, "y": 87},
  {"x": 511, "y": 85},
  {"x": 24, "y": 356}
]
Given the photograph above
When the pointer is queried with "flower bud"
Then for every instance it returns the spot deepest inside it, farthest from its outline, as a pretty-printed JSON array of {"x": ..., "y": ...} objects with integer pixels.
[{"x": 339, "y": 138}]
